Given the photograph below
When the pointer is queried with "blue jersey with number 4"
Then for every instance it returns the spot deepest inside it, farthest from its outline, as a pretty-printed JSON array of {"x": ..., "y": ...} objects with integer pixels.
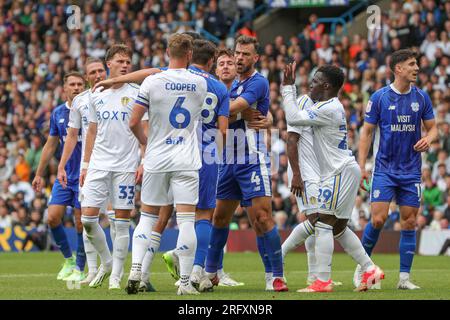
[
  {"x": 398, "y": 118},
  {"x": 249, "y": 147}
]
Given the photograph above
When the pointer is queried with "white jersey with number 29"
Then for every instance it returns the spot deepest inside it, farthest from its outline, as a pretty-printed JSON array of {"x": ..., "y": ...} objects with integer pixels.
[
  {"x": 174, "y": 99},
  {"x": 330, "y": 131}
]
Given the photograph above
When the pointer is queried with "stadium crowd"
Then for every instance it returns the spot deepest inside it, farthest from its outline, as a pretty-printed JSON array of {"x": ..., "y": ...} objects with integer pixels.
[{"x": 37, "y": 49}]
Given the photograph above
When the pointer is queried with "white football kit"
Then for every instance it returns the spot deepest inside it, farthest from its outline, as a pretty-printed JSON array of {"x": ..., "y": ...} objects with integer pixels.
[
  {"x": 174, "y": 99},
  {"x": 309, "y": 166},
  {"x": 339, "y": 172},
  {"x": 115, "y": 156}
]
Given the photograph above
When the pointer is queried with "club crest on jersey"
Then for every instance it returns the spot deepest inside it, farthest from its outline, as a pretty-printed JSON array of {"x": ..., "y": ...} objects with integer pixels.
[
  {"x": 239, "y": 89},
  {"x": 125, "y": 101},
  {"x": 369, "y": 106},
  {"x": 376, "y": 193},
  {"x": 415, "y": 106}
]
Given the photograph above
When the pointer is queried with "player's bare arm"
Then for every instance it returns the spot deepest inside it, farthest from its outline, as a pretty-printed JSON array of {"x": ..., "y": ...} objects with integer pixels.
[
  {"x": 134, "y": 77},
  {"x": 136, "y": 123},
  {"x": 297, "y": 186},
  {"x": 261, "y": 122},
  {"x": 90, "y": 140},
  {"x": 47, "y": 152},
  {"x": 238, "y": 105},
  {"x": 69, "y": 146},
  {"x": 365, "y": 140},
  {"x": 222, "y": 125},
  {"x": 432, "y": 134}
]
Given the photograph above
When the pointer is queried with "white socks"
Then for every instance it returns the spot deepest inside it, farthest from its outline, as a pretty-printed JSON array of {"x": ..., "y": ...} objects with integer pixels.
[
  {"x": 112, "y": 224},
  {"x": 186, "y": 245},
  {"x": 310, "y": 245},
  {"x": 141, "y": 239},
  {"x": 120, "y": 246},
  {"x": 91, "y": 254},
  {"x": 155, "y": 241},
  {"x": 353, "y": 246},
  {"x": 324, "y": 250},
  {"x": 297, "y": 237},
  {"x": 97, "y": 237}
]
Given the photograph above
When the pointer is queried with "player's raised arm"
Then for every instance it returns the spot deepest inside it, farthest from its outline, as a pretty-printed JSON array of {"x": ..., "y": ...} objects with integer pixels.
[
  {"x": 47, "y": 152},
  {"x": 134, "y": 77}
]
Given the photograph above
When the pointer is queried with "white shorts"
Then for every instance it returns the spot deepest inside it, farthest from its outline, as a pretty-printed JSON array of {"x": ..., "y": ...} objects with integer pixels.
[
  {"x": 156, "y": 187},
  {"x": 337, "y": 195},
  {"x": 308, "y": 202},
  {"x": 104, "y": 206},
  {"x": 101, "y": 186}
]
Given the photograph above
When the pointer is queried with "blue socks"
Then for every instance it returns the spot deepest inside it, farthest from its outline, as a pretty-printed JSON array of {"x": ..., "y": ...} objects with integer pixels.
[
  {"x": 220, "y": 265},
  {"x": 407, "y": 248},
  {"x": 203, "y": 231},
  {"x": 370, "y": 238},
  {"x": 218, "y": 239},
  {"x": 272, "y": 243},
  {"x": 61, "y": 240},
  {"x": 263, "y": 254},
  {"x": 81, "y": 255}
]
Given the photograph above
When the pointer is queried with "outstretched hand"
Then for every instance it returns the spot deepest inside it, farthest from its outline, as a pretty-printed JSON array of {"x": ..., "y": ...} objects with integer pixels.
[
  {"x": 103, "y": 85},
  {"x": 289, "y": 74}
]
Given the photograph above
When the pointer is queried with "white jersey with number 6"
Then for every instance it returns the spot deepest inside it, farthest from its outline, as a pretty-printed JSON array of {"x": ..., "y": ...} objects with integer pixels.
[
  {"x": 174, "y": 99},
  {"x": 116, "y": 148}
]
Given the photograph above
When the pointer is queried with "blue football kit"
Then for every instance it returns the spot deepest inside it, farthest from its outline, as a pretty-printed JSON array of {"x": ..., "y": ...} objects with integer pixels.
[
  {"x": 58, "y": 127},
  {"x": 397, "y": 171}
]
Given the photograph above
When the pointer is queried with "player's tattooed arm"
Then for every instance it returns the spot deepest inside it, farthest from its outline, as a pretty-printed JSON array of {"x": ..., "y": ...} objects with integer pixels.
[
  {"x": 133, "y": 77},
  {"x": 297, "y": 186},
  {"x": 238, "y": 105},
  {"x": 365, "y": 140},
  {"x": 47, "y": 153},
  {"x": 432, "y": 134},
  {"x": 69, "y": 146}
]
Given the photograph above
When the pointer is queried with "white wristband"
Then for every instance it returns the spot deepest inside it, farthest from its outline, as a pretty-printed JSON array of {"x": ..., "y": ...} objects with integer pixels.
[
  {"x": 84, "y": 165},
  {"x": 142, "y": 161},
  {"x": 238, "y": 116}
]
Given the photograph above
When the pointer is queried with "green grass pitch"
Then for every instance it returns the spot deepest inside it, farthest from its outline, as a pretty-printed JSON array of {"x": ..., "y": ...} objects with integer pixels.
[{"x": 33, "y": 276}]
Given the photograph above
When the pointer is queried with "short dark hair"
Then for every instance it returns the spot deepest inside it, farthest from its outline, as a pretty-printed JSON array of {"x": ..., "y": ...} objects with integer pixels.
[
  {"x": 335, "y": 75},
  {"x": 203, "y": 51},
  {"x": 225, "y": 52},
  {"x": 118, "y": 48},
  {"x": 401, "y": 56},
  {"x": 243, "y": 39},
  {"x": 72, "y": 74}
]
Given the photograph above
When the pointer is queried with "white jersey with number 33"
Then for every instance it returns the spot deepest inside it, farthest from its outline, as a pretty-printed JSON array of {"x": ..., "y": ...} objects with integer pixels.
[
  {"x": 174, "y": 99},
  {"x": 116, "y": 148}
]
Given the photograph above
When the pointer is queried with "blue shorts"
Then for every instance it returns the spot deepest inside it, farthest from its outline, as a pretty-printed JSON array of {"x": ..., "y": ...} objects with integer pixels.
[
  {"x": 65, "y": 197},
  {"x": 405, "y": 188},
  {"x": 244, "y": 181},
  {"x": 208, "y": 175}
]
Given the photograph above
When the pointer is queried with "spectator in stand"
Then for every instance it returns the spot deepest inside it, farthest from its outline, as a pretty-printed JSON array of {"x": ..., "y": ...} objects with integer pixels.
[{"x": 215, "y": 22}]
